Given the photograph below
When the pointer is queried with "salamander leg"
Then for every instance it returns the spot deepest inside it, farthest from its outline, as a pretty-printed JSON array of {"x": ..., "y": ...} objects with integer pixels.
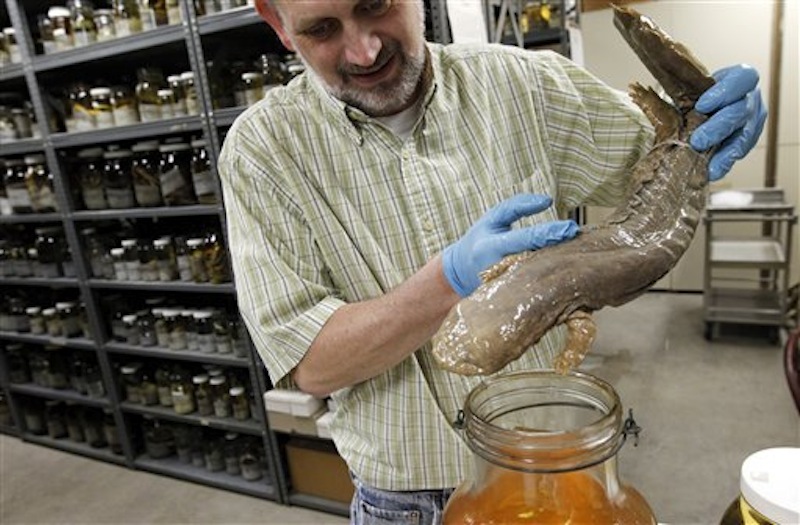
[{"x": 581, "y": 331}]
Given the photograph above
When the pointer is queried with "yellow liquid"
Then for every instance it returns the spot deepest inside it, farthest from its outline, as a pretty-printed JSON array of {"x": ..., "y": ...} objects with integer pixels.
[{"x": 741, "y": 513}]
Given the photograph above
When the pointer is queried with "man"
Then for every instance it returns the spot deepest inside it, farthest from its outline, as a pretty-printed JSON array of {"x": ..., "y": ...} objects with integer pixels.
[{"x": 357, "y": 202}]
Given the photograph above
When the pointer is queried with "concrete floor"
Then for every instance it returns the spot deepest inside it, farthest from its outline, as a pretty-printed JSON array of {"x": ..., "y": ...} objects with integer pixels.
[{"x": 703, "y": 407}]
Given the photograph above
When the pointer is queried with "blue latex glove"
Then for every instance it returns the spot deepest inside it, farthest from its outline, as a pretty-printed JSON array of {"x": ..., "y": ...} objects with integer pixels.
[
  {"x": 492, "y": 238},
  {"x": 737, "y": 120}
]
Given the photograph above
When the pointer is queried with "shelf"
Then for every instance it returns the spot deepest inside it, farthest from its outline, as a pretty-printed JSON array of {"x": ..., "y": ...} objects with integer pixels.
[
  {"x": 173, "y": 467},
  {"x": 182, "y": 355},
  {"x": 230, "y": 19},
  {"x": 747, "y": 253},
  {"x": 544, "y": 37},
  {"x": 78, "y": 343},
  {"x": 21, "y": 147},
  {"x": 251, "y": 426},
  {"x": 61, "y": 395},
  {"x": 23, "y": 218},
  {"x": 93, "y": 137},
  {"x": 56, "y": 282},
  {"x": 83, "y": 449},
  {"x": 317, "y": 503},
  {"x": 158, "y": 36},
  {"x": 225, "y": 117},
  {"x": 9, "y": 430},
  {"x": 146, "y": 213},
  {"x": 762, "y": 307},
  {"x": 11, "y": 72},
  {"x": 162, "y": 286}
]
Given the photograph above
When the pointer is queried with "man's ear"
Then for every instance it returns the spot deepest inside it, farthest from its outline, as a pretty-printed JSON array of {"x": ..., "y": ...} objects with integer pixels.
[{"x": 268, "y": 12}]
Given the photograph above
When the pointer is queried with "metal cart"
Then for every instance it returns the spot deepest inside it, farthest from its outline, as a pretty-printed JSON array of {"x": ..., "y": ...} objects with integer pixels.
[{"x": 749, "y": 237}]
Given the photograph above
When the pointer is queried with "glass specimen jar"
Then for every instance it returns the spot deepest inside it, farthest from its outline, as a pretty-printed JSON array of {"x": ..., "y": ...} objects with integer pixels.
[
  {"x": 240, "y": 403},
  {"x": 16, "y": 188},
  {"x": 61, "y": 20},
  {"x": 189, "y": 88},
  {"x": 132, "y": 381},
  {"x": 179, "y": 93},
  {"x": 202, "y": 394},
  {"x": 90, "y": 178},
  {"x": 159, "y": 442},
  {"x": 197, "y": 260},
  {"x": 202, "y": 177},
  {"x": 84, "y": 31},
  {"x": 145, "y": 172},
  {"x": 104, "y": 23},
  {"x": 221, "y": 397},
  {"x": 182, "y": 389},
  {"x": 117, "y": 179},
  {"x": 249, "y": 89},
  {"x": 126, "y": 20},
  {"x": 49, "y": 251},
  {"x": 545, "y": 446},
  {"x": 216, "y": 260},
  {"x": 165, "y": 258},
  {"x": 149, "y": 82},
  {"x": 102, "y": 107},
  {"x": 132, "y": 264},
  {"x": 68, "y": 313},
  {"x": 176, "y": 174},
  {"x": 40, "y": 183},
  {"x": 250, "y": 462},
  {"x": 124, "y": 106}
]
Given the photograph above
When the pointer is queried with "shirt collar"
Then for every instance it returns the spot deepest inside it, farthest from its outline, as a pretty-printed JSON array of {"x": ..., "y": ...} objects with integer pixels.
[{"x": 351, "y": 120}]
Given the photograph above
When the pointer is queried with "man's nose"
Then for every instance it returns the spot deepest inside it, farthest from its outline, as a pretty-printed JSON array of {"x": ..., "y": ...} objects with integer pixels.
[{"x": 362, "y": 46}]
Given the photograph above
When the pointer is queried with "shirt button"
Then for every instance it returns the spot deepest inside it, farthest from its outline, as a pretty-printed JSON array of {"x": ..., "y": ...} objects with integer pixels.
[
  {"x": 427, "y": 225},
  {"x": 406, "y": 154}
]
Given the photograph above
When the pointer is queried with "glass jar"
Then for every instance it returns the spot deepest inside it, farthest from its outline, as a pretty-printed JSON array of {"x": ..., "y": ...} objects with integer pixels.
[
  {"x": 148, "y": 265},
  {"x": 33, "y": 414},
  {"x": 18, "y": 370},
  {"x": 147, "y": 330},
  {"x": 52, "y": 322},
  {"x": 162, "y": 328},
  {"x": 176, "y": 174},
  {"x": 220, "y": 395},
  {"x": 187, "y": 316},
  {"x": 93, "y": 428},
  {"x": 56, "y": 419},
  {"x": 17, "y": 319},
  {"x": 167, "y": 103},
  {"x": 205, "y": 331},
  {"x": 127, "y": 20},
  {"x": 183, "y": 259},
  {"x": 81, "y": 114},
  {"x": 239, "y": 338},
  {"x": 39, "y": 181},
  {"x": 84, "y": 31},
  {"x": 131, "y": 329},
  {"x": 249, "y": 89},
  {"x": 174, "y": 14},
  {"x": 214, "y": 454},
  {"x": 190, "y": 91},
  {"x": 110, "y": 432},
  {"x": 74, "y": 419},
  {"x": 202, "y": 394},
  {"x": 232, "y": 451},
  {"x": 77, "y": 375},
  {"x": 10, "y": 36},
  {"x": 23, "y": 123},
  {"x": 104, "y": 24},
  {"x": 197, "y": 260},
  {"x": 8, "y": 129},
  {"x": 16, "y": 188},
  {"x": 102, "y": 107},
  {"x": 100, "y": 261},
  {"x": 132, "y": 269},
  {"x": 164, "y": 386},
  {"x": 159, "y": 442},
  {"x": 149, "y": 389},
  {"x": 182, "y": 389},
  {"x": 36, "y": 320},
  {"x": 49, "y": 250},
  {"x": 183, "y": 443},
  {"x": 165, "y": 259},
  {"x": 124, "y": 106},
  {"x": 179, "y": 108},
  {"x": 120, "y": 267},
  {"x": 117, "y": 177},
  {"x": 68, "y": 314},
  {"x": 202, "y": 176},
  {"x": 55, "y": 367},
  {"x": 45, "y": 26},
  {"x": 61, "y": 20},
  {"x": 149, "y": 81},
  {"x": 90, "y": 177},
  {"x": 94, "y": 380},
  {"x": 146, "y": 175},
  {"x": 222, "y": 333},
  {"x": 215, "y": 260},
  {"x": 177, "y": 330},
  {"x": 250, "y": 462},
  {"x": 240, "y": 403},
  {"x": 545, "y": 447},
  {"x": 132, "y": 381}
]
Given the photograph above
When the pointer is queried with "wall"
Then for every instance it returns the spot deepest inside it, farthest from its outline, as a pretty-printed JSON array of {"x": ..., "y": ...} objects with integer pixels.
[{"x": 720, "y": 33}]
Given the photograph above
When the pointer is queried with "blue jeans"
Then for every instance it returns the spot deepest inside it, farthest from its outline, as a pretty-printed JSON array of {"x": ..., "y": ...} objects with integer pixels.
[{"x": 372, "y": 506}]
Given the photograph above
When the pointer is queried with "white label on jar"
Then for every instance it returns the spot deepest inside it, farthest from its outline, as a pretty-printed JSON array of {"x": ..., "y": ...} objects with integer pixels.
[
  {"x": 203, "y": 182},
  {"x": 192, "y": 105},
  {"x": 19, "y": 198},
  {"x": 94, "y": 198},
  {"x": 172, "y": 181},
  {"x": 174, "y": 15},
  {"x": 83, "y": 118},
  {"x": 147, "y": 195},
  {"x": 149, "y": 112},
  {"x": 43, "y": 199},
  {"x": 123, "y": 27},
  {"x": 148, "y": 18},
  {"x": 132, "y": 269},
  {"x": 119, "y": 198},
  {"x": 14, "y": 53},
  {"x": 125, "y": 116},
  {"x": 106, "y": 33},
  {"x": 83, "y": 38},
  {"x": 251, "y": 96},
  {"x": 184, "y": 268},
  {"x": 120, "y": 271},
  {"x": 104, "y": 119},
  {"x": 179, "y": 109}
]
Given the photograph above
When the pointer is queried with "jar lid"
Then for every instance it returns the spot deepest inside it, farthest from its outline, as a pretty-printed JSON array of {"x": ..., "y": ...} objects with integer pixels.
[
  {"x": 58, "y": 12},
  {"x": 769, "y": 482},
  {"x": 160, "y": 243},
  {"x": 34, "y": 159},
  {"x": 215, "y": 371},
  {"x": 10, "y": 163},
  {"x": 49, "y": 311},
  {"x": 90, "y": 153},
  {"x": 90, "y": 230},
  {"x": 173, "y": 78},
  {"x": 65, "y": 306},
  {"x": 104, "y": 12},
  {"x": 129, "y": 369},
  {"x": 170, "y": 313},
  {"x": 9, "y": 31},
  {"x": 181, "y": 146},
  {"x": 187, "y": 75},
  {"x": 200, "y": 379},
  {"x": 203, "y": 315},
  {"x": 130, "y": 318},
  {"x": 217, "y": 380},
  {"x": 117, "y": 154},
  {"x": 59, "y": 31},
  {"x": 165, "y": 92},
  {"x": 100, "y": 92},
  {"x": 127, "y": 243},
  {"x": 117, "y": 251},
  {"x": 236, "y": 391},
  {"x": 33, "y": 253},
  {"x": 150, "y": 145},
  {"x": 33, "y": 310},
  {"x": 199, "y": 143},
  {"x": 251, "y": 75},
  {"x": 194, "y": 242}
]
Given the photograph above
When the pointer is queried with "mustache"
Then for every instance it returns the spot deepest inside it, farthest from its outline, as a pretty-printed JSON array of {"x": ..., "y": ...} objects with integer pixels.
[{"x": 384, "y": 55}]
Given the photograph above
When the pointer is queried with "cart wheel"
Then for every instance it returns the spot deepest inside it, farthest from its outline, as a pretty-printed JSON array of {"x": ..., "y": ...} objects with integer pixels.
[{"x": 708, "y": 333}]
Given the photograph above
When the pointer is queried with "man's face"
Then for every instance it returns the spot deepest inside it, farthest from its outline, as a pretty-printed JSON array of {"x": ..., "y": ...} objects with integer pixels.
[{"x": 368, "y": 53}]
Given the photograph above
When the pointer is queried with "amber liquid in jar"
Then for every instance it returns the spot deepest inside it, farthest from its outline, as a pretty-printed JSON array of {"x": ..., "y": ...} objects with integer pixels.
[{"x": 545, "y": 449}]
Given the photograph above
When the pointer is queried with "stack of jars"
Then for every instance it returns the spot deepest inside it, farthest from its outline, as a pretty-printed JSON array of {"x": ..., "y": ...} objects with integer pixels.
[
  {"x": 16, "y": 119},
  {"x": 63, "y": 319},
  {"x": 9, "y": 48},
  {"x": 59, "y": 420},
  {"x": 29, "y": 185},
  {"x": 48, "y": 256},
  {"x": 206, "y": 392},
  {"x": 149, "y": 174},
  {"x": 55, "y": 367}
]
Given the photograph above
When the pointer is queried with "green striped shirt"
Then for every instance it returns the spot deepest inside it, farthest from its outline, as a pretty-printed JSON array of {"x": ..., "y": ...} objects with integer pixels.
[{"x": 326, "y": 206}]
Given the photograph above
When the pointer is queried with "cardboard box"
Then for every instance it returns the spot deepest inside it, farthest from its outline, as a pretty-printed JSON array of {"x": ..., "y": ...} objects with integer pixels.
[{"x": 315, "y": 468}]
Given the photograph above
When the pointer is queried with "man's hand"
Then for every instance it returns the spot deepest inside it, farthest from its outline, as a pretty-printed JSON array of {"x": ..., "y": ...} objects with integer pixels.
[
  {"x": 492, "y": 238},
  {"x": 737, "y": 119}
]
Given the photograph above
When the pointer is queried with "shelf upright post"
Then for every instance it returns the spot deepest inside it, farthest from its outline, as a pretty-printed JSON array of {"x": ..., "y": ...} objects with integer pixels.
[{"x": 16, "y": 413}]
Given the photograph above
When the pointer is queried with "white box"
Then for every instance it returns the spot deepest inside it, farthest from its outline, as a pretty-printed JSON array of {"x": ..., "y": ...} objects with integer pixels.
[
  {"x": 324, "y": 425},
  {"x": 305, "y": 405},
  {"x": 278, "y": 401}
]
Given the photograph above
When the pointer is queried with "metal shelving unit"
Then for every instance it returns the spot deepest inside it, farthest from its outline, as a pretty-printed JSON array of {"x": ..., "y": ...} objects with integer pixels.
[
  {"x": 37, "y": 75},
  {"x": 746, "y": 277}
]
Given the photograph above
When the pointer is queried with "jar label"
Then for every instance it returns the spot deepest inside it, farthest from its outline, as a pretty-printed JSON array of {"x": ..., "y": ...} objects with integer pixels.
[
  {"x": 172, "y": 181},
  {"x": 147, "y": 195},
  {"x": 83, "y": 117},
  {"x": 104, "y": 119},
  {"x": 83, "y": 38},
  {"x": 203, "y": 182},
  {"x": 19, "y": 198},
  {"x": 126, "y": 116},
  {"x": 192, "y": 104},
  {"x": 149, "y": 112},
  {"x": 43, "y": 199},
  {"x": 119, "y": 198}
]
